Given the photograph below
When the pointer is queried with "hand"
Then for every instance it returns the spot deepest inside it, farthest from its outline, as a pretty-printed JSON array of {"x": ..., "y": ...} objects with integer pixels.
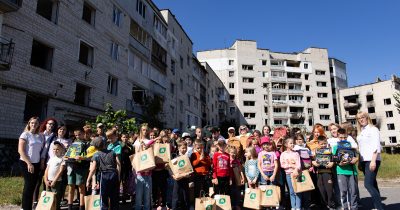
[
  {"x": 52, "y": 184},
  {"x": 354, "y": 161},
  {"x": 88, "y": 184},
  {"x": 31, "y": 169},
  {"x": 230, "y": 182},
  {"x": 372, "y": 166},
  {"x": 295, "y": 173},
  {"x": 202, "y": 155},
  {"x": 242, "y": 181},
  {"x": 315, "y": 163},
  {"x": 272, "y": 178},
  {"x": 215, "y": 181},
  {"x": 42, "y": 165},
  {"x": 265, "y": 177},
  {"x": 48, "y": 183},
  {"x": 330, "y": 165}
]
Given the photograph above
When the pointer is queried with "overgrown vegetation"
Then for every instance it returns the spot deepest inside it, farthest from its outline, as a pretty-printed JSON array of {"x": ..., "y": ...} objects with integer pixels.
[{"x": 397, "y": 98}]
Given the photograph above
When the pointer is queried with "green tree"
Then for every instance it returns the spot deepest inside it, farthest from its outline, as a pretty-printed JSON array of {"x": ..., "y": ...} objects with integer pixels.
[
  {"x": 397, "y": 98},
  {"x": 119, "y": 118}
]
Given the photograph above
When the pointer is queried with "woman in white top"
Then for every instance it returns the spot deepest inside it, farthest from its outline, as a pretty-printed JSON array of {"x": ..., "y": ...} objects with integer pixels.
[
  {"x": 30, "y": 147},
  {"x": 370, "y": 155}
]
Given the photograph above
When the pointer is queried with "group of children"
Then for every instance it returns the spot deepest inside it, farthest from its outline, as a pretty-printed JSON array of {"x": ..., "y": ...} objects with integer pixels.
[{"x": 102, "y": 164}]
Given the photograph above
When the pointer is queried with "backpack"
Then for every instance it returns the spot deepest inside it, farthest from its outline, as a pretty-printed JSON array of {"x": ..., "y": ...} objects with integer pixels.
[
  {"x": 344, "y": 151},
  {"x": 323, "y": 157},
  {"x": 305, "y": 158}
]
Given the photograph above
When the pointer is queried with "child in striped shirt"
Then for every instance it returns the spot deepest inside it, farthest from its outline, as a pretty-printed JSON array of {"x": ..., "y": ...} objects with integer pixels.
[{"x": 250, "y": 167}]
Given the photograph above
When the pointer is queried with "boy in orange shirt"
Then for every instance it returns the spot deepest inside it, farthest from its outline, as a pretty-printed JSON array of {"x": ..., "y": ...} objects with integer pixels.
[{"x": 201, "y": 163}]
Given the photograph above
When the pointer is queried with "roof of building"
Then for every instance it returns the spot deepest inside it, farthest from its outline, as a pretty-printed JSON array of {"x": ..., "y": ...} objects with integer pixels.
[{"x": 177, "y": 22}]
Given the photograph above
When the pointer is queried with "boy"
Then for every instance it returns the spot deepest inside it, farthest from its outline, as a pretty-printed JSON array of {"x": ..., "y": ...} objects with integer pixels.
[
  {"x": 109, "y": 167},
  {"x": 114, "y": 145},
  {"x": 77, "y": 169},
  {"x": 54, "y": 171},
  {"x": 222, "y": 174},
  {"x": 323, "y": 165},
  {"x": 201, "y": 163},
  {"x": 180, "y": 194},
  {"x": 346, "y": 171}
]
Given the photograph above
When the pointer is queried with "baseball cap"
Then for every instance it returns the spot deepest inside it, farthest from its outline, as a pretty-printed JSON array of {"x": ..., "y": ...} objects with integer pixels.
[
  {"x": 185, "y": 134},
  {"x": 231, "y": 128},
  {"x": 100, "y": 125},
  {"x": 176, "y": 131},
  {"x": 265, "y": 140},
  {"x": 215, "y": 129}
]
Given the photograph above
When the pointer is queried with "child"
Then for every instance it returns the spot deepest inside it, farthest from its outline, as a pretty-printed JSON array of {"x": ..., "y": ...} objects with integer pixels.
[
  {"x": 290, "y": 162},
  {"x": 346, "y": 171},
  {"x": 109, "y": 167},
  {"x": 186, "y": 137},
  {"x": 213, "y": 150},
  {"x": 201, "y": 163},
  {"x": 180, "y": 195},
  {"x": 222, "y": 174},
  {"x": 235, "y": 190},
  {"x": 255, "y": 143},
  {"x": 267, "y": 162},
  {"x": 251, "y": 167},
  {"x": 159, "y": 179},
  {"x": 54, "y": 171},
  {"x": 323, "y": 165},
  {"x": 126, "y": 166},
  {"x": 114, "y": 144},
  {"x": 305, "y": 158}
]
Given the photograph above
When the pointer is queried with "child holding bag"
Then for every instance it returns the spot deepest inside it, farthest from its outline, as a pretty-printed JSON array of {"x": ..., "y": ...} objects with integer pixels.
[
  {"x": 251, "y": 168},
  {"x": 267, "y": 162}
]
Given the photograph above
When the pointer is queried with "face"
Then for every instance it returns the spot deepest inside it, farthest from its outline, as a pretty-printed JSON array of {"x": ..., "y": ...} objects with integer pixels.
[
  {"x": 322, "y": 144},
  {"x": 232, "y": 154},
  {"x": 299, "y": 141},
  {"x": 243, "y": 131},
  {"x": 78, "y": 135},
  {"x": 143, "y": 130},
  {"x": 61, "y": 131},
  {"x": 334, "y": 130},
  {"x": 49, "y": 125},
  {"x": 182, "y": 149},
  {"x": 57, "y": 150},
  {"x": 199, "y": 148},
  {"x": 256, "y": 135},
  {"x": 316, "y": 133},
  {"x": 231, "y": 132},
  {"x": 266, "y": 131},
  {"x": 222, "y": 148},
  {"x": 189, "y": 141},
  {"x": 198, "y": 132},
  {"x": 289, "y": 144},
  {"x": 99, "y": 130},
  {"x": 254, "y": 141},
  {"x": 342, "y": 137},
  {"x": 362, "y": 120},
  {"x": 33, "y": 124},
  {"x": 152, "y": 135},
  {"x": 124, "y": 138}
]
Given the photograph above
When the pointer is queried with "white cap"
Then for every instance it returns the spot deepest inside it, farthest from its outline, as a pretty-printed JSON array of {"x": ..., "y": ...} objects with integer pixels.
[
  {"x": 185, "y": 134},
  {"x": 231, "y": 128}
]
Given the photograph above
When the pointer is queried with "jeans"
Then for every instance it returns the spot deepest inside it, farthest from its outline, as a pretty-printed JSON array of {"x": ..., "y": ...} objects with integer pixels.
[
  {"x": 30, "y": 181},
  {"x": 180, "y": 195},
  {"x": 348, "y": 191},
  {"x": 267, "y": 182},
  {"x": 143, "y": 192},
  {"x": 159, "y": 179},
  {"x": 295, "y": 200},
  {"x": 109, "y": 189},
  {"x": 370, "y": 183}
]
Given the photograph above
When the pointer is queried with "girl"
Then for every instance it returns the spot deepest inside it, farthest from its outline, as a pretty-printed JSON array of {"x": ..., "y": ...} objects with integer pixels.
[
  {"x": 290, "y": 162},
  {"x": 255, "y": 141},
  {"x": 305, "y": 158},
  {"x": 159, "y": 178},
  {"x": 267, "y": 162},
  {"x": 250, "y": 167},
  {"x": 126, "y": 166},
  {"x": 235, "y": 189}
]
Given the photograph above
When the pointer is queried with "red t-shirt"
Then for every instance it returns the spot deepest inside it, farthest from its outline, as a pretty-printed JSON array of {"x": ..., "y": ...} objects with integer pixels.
[{"x": 222, "y": 165}]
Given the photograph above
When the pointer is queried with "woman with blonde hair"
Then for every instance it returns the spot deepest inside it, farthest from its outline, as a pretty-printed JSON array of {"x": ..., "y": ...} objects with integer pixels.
[{"x": 370, "y": 155}]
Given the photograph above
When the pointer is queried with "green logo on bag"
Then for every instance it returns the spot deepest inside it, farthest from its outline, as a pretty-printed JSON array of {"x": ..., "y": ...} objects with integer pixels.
[
  {"x": 181, "y": 163},
  {"x": 162, "y": 150},
  {"x": 222, "y": 201},
  {"x": 144, "y": 157},
  {"x": 46, "y": 199},
  {"x": 302, "y": 178},
  {"x": 96, "y": 203},
  {"x": 268, "y": 192},
  {"x": 209, "y": 207},
  {"x": 253, "y": 196}
]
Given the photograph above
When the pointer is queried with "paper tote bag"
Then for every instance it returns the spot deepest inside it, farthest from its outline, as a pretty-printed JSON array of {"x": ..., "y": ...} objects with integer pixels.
[
  {"x": 205, "y": 203},
  {"x": 144, "y": 160},
  {"x": 252, "y": 198},
  {"x": 180, "y": 165},
  {"x": 223, "y": 202},
  {"x": 303, "y": 182},
  {"x": 47, "y": 201},
  {"x": 92, "y": 202},
  {"x": 270, "y": 195},
  {"x": 162, "y": 153}
]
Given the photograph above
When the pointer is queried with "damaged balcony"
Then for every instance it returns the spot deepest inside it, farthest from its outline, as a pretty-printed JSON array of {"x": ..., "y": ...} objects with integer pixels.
[
  {"x": 10, "y": 5},
  {"x": 6, "y": 53}
]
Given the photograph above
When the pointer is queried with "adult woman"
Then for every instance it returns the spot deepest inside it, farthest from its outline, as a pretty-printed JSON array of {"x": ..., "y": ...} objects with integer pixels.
[
  {"x": 317, "y": 131},
  {"x": 370, "y": 155},
  {"x": 30, "y": 146}
]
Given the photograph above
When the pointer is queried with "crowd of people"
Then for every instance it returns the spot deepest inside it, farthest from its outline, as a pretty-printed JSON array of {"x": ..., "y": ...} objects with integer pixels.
[{"x": 101, "y": 163}]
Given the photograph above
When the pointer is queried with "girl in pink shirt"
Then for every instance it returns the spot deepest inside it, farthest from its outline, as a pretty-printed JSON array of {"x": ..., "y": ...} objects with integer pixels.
[{"x": 290, "y": 162}]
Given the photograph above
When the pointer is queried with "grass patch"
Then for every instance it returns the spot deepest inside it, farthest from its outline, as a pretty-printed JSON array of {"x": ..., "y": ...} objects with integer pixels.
[
  {"x": 389, "y": 168},
  {"x": 11, "y": 190}
]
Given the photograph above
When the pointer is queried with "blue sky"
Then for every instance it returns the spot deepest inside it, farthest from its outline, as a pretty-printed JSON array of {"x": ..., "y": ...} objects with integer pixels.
[{"x": 363, "y": 33}]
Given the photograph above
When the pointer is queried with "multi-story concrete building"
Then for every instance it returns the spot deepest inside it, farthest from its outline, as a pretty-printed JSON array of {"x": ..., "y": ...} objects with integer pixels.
[
  {"x": 338, "y": 74},
  {"x": 274, "y": 88},
  {"x": 376, "y": 99}
]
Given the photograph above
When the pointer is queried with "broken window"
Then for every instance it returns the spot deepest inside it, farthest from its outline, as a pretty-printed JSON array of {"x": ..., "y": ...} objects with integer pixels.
[
  {"x": 41, "y": 55},
  {"x": 35, "y": 106},
  {"x": 88, "y": 13},
  {"x": 112, "y": 85},
  {"x": 82, "y": 94},
  {"x": 48, "y": 9},
  {"x": 86, "y": 54}
]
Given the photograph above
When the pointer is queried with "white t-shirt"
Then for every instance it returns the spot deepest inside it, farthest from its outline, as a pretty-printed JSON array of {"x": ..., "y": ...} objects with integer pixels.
[
  {"x": 369, "y": 141},
  {"x": 54, "y": 165},
  {"x": 333, "y": 142},
  {"x": 33, "y": 146}
]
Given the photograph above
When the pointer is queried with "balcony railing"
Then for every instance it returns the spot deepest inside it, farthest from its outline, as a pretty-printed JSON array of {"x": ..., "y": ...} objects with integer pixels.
[
  {"x": 10, "y": 5},
  {"x": 295, "y": 91},
  {"x": 6, "y": 53},
  {"x": 280, "y": 114},
  {"x": 350, "y": 105}
]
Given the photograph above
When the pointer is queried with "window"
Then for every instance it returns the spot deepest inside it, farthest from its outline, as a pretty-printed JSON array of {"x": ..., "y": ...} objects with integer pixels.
[
  {"x": 48, "y": 9},
  {"x": 172, "y": 108},
  {"x": 265, "y": 74},
  {"x": 248, "y": 91},
  {"x": 252, "y": 127},
  {"x": 248, "y": 80},
  {"x": 249, "y": 115},
  {"x": 232, "y": 110},
  {"x": 295, "y": 98},
  {"x": 310, "y": 123},
  {"x": 308, "y": 99},
  {"x": 172, "y": 88},
  {"x": 188, "y": 100},
  {"x": 389, "y": 114},
  {"x": 112, "y": 86},
  {"x": 307, "y": 87},
  {"x": 159, "y": 56},
  {"x": 196, "y": 103},
  {"x": 306, "y": 66},
  {"x": 277, "y": 97},
  {"x": 82, "y": 94},
  {"x": 41, "y": 55},
  {"x": 230, "y": 62},
  {"x": 278, "y": 110},
  {"x": 161, "y": 28},
  {"x": 141, "y": 8},
  {"x": 277, "y": 63},
  {"x": 264, "y": 62},
  {"x": 181, "y": 61},
  {"x": 265, "y": 85},
  {"x": 139, "y": 34},
  {"x": 322, "y": 95},
  {"x": 231, "y": 97},
  {"x": 370, "y": 98},
  {"x": 371, "y": 109},
  {"x": 278, "y": 122},
  {"x": 88, "y": 13},
  {"x": 231, "y": 73},
  {"x": 266, "y": 97},
  {"x": 390, "y": 126},
  {"x": 309, "y": 110},
  {"x": 323, "y": 106},
  {"x": 294, "y": 86},
  {"x": 86, "y": 54},
  {"x": 277, "y": 74},
  {"x": 387, "y": 101},
  {"x": 117, "y": 16},
  {"x": 265, "y": 109},
  {"x": 248, "y": 103},
  {"x": 114, "y": 51},
  {"x": 392, "y": 139},
  {"x": 319, "y": 72},
  {"x": 324, "y": 117},
  {"x": 181, "y": 83},
  {"x": 35, "y": 106},
  {"x": 181, "y": 105},
  {"x": 138, "y": 95},
  {"x": 173, "y": 67},
  {"x": 188, "y": 60},
  {"x": 247, "y": 67},
  {"x": 231, "y": 85},
  {"x": 306, "y": 76},
  {"x": 321, "y": 84}
]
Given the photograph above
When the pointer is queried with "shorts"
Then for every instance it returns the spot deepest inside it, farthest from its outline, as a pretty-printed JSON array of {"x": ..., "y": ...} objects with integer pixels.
[
  {"x": 265, "y": 182},
  {"x": 77, "y": 176}
]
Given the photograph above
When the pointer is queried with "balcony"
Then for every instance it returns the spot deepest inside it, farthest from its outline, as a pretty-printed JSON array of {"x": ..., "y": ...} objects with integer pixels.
[
  {"x": 222, "y": 111},
  {"x": 277, "y": 67},
  {"x": 296, "y": 103},
  {"x": 293, "y": 79},
  {"x": 6, "y": 53},
  {"x": 278, "y": 79},
  {"x": 280, "y": 115},
  {"x": 351, "y": 105},
  {"x": 279, "y": 102},
  {"x": 222, "y": 98},
  {"x": 296, "y": 115},
  {"x": 275, "y": 90},
  {"x": 370, "y": 103},
  {"x": 350, "y": 116},
  {"x": 295, "y": 91},
  {"x": 10, "y": 5}
]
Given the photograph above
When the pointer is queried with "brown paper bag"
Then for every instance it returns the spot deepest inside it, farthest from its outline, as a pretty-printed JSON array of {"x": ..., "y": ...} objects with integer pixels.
[
  {"x": 180, "y": 166},
  {"x": 205, "y": 203},
  {"x": 144, "y": 160},
  {"x": 303, "y": 182},
  {"x": 92, "y": 202},
  {"x": 270, "y": 195},
  {"x": 162, "y": 153},
  {"x": 223, "y": 202},
  {"x": 237, "y": 175},
  {"x": 252, "y": 198},
  {"x": 47, "y": 201},
  {"x": 211, "y": 191}
]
